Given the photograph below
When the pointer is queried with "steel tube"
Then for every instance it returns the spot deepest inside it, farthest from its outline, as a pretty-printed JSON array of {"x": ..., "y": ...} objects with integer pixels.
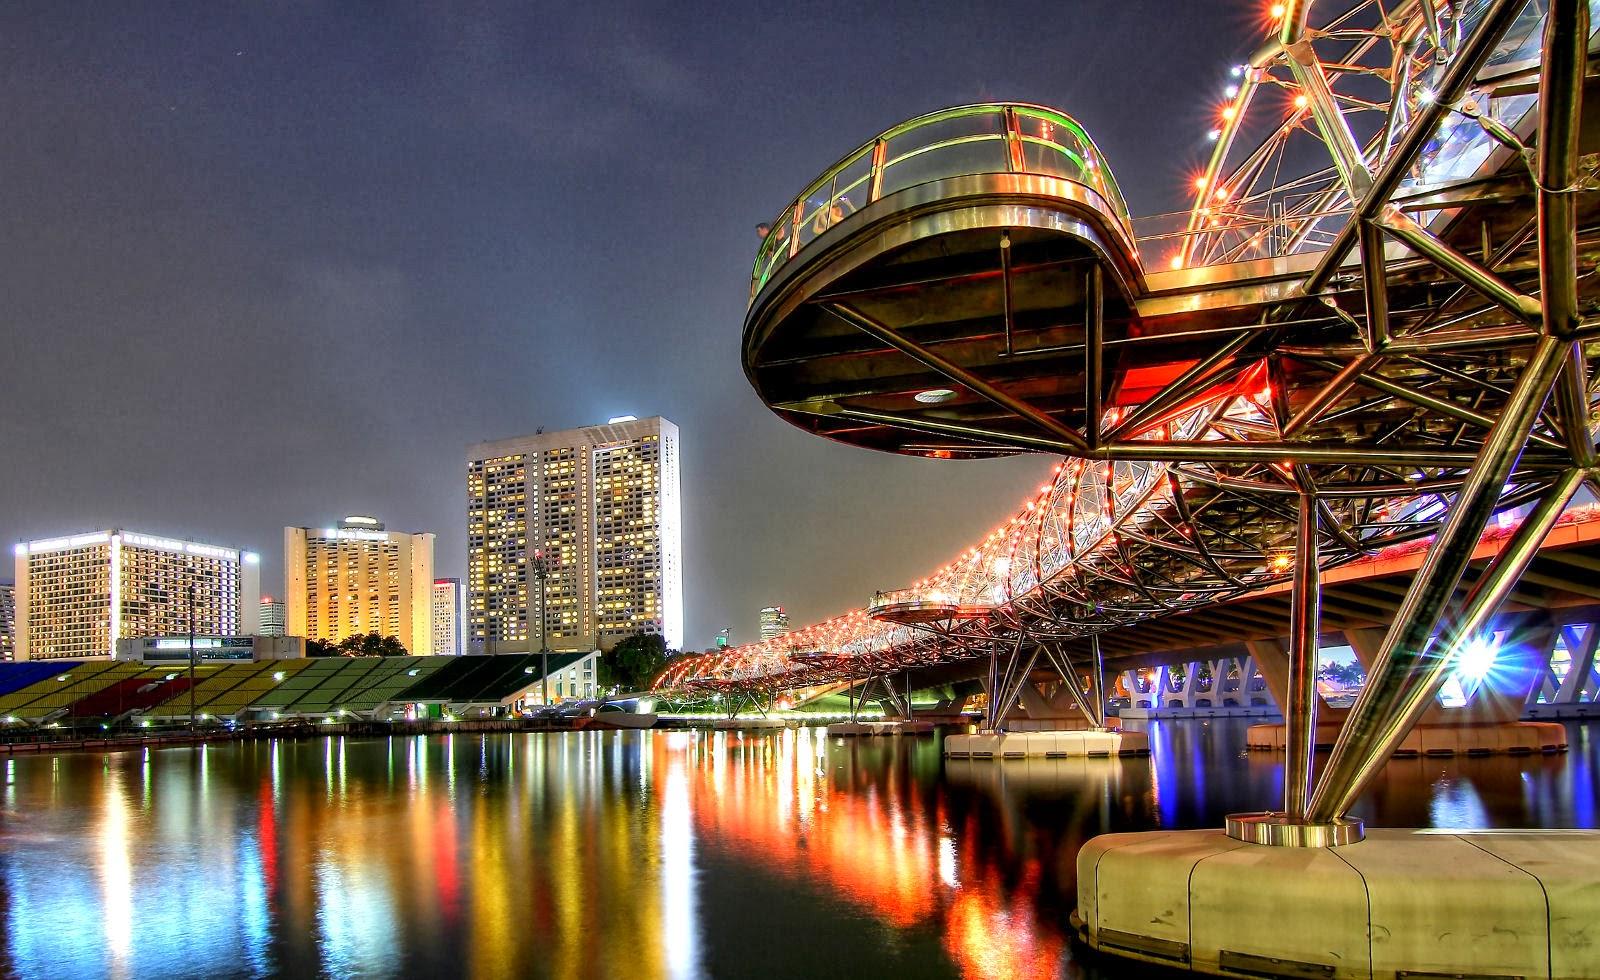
[
  {"x": 1457, "y": 77},
  {"x": 1098, "y": 681},
  {"x": 1572, "y": 403},
  {"x": 1000, "y": 440},
  {"x": 1566, "y": 38},
  {"x": 1482, "y": 281},
  {"x": 1280, "y": 452},
  {"x": 1477, "y": 337},
  {"x": 1341, "y": 143},
  {"x": 994, "y": 683},
  {"x": 1093, "y": 352},
  {"x": 1328, "y": 394},
  {"x": 1374, "y": 724},
  {"x": 1374, "y": 276},
  {"x": 1063, "y": 665},
  {"x": 1191, "y": 381},
  {"x": 1300, "y": 714},
  {"x": 1442, "y": 406},
  {"x": 958, "y": 374},
  {"x": 1014, "y": 687},
  {"x": 1432, "y": 669}
]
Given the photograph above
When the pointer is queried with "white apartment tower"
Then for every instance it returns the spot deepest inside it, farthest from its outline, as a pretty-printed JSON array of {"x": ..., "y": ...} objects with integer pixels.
[
  {"x": 274, "y": 617},
  {"x": 597, "y": 508},
  {"x": 774, "y": 622},
  {"x": 447, "y": 607},
  {"x": 76, "y": 596},
  {"x": 359, "y": 578}
]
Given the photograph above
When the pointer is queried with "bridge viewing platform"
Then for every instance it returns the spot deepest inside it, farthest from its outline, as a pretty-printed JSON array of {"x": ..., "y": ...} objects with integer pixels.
[{"x": 1370, "y": 333}]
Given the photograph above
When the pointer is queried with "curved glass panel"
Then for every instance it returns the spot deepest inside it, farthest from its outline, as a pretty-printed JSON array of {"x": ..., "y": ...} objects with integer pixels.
[{"x": 959, "y": 142}]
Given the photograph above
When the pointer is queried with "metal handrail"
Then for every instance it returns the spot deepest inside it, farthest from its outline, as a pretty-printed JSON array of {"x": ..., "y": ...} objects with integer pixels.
[{"x": 824, "y": 202}]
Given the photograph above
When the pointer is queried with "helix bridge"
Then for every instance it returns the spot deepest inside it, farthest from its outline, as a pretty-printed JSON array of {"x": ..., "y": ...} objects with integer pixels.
[{"x": 1372, "y": 327}]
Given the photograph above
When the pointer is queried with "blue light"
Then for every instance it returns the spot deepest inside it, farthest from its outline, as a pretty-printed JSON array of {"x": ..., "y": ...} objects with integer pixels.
[
  {"x": 1474, "y": 664},
  {"x": 1477, "y": 659}
]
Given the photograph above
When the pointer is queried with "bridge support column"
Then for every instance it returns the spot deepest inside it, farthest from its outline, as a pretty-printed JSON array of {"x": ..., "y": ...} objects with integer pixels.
[
  {"x": 1291, "y": 825},
  {"x": 1273, "y": 664}
]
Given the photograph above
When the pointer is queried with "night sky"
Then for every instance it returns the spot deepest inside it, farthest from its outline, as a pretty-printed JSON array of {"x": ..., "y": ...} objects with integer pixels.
[{"x": 273, "y": 263}]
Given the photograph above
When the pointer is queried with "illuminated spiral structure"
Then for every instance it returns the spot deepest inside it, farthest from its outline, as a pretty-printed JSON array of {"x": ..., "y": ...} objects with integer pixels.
[{"x": 1370, "y": 328}]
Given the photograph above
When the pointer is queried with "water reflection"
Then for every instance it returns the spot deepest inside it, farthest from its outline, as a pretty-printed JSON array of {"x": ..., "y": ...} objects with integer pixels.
[{"x": 667, "y": 854}]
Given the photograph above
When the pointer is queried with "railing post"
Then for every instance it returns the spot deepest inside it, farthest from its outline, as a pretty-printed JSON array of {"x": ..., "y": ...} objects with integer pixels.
[
  {"x": 879, "y": 151},
  {"x": 1014, "y": 160}
]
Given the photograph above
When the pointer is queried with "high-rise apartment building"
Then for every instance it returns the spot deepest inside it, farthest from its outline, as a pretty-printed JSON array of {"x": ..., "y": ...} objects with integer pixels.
[
  {"x": 447, "y": 606},
  {"x": 8, "y": 621},
  {"x": 274, "y": 617},
  {"x": 597, "y": 510},
  {"x": 359, "y": 578},
  {"x": 774, "y": 622},
  {"x": 76, "y": 596}
]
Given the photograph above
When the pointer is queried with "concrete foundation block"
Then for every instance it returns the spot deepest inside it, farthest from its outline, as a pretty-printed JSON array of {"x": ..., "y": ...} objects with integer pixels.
[
  {"x": 1133, "y": 743},
  {"x": 1566, "y": 865},
  {"x": 1512, "y": 737},
  {"x": 1139, "y": 891},
  {"x": 1309, "y": 907},
  {"x": 1055, "y": 745},
  {"x": 1435, "y": 896},
  {"x": 1401, "y": 903},
  {"x": 964, "y": 746}
]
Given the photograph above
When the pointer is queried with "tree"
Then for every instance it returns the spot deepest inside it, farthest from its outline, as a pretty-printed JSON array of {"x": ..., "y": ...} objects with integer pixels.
[
  {"x": 358, "y": 645},
  {"x": 634, "y": 662}
]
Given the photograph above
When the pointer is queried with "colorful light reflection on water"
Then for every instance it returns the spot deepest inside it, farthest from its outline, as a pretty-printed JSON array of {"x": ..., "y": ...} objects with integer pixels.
[{"x": 665, "y": 854}]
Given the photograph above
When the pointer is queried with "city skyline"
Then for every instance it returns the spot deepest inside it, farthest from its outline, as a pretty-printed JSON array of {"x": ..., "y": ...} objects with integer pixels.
[{"x": 425, "y": 224}]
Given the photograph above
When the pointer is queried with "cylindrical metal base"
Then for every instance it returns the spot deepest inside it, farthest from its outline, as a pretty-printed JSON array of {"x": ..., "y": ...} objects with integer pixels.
[{"x": 1279, "y": 830}]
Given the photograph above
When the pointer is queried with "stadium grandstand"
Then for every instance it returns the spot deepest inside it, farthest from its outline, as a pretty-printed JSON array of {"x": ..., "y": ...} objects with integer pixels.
[{"x": 118, "y": 694}]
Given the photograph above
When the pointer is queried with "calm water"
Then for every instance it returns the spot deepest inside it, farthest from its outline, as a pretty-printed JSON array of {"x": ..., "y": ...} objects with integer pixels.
[{"x": 638, "y": 854}]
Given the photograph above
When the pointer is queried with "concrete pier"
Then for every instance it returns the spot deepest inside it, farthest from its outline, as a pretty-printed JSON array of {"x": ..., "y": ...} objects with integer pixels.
[
  {"x": 1046, "y": 744},
  {"x": 1486, "y": 738},
  {"x": 1437, "y": 903}
]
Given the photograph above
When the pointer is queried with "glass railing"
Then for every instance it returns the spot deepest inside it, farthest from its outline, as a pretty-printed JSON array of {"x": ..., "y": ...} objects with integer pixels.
[
  {"x": 969, "y": 140},
  {"x": 1271, "y": 225}
]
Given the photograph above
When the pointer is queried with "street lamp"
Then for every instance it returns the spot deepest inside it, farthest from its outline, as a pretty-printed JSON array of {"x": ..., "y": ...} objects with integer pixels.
[
  {"x": 191, "y": 660},
  {"x": 541, "y": 571}
]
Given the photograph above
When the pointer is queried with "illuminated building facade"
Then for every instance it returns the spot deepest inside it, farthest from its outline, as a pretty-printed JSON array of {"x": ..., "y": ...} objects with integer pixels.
[
  {"x": 447, "y": 606},
  {"x": 8, "y": 621},
  {"x": 598, "y": 509},
  {"x": 76, "y": 596},
  {"x": 359, "y": 578},
  {"x": 274, "y": 620},
  {"x": 774, "y": 622}
]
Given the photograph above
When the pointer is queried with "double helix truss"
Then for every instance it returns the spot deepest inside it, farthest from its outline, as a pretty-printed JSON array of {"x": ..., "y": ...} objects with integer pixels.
[{"x": 1376, "y": 322}]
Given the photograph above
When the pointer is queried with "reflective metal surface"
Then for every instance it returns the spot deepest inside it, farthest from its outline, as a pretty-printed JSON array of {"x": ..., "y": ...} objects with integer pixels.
[{"x": 1283, "y": 830}]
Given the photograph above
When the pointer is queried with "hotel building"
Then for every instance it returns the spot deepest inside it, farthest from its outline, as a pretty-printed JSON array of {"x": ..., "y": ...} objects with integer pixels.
[
  {"x": 76, "y": 596},
  {"x": 359, "y": 578},
  {"x": 598, "y": 509},
  {"x": 774, "y": 622},
  {"x": 274, "y": 621},
  {"x": 8, "y": 621},
  {"x": 447, "y": 608}
]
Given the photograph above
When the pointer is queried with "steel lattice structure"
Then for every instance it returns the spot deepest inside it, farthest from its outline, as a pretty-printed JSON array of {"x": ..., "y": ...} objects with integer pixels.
[{"x": 1370, "y": 328}]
